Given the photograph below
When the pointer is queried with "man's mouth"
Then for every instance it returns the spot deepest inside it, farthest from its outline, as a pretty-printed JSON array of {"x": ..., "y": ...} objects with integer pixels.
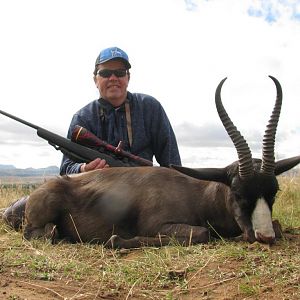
[{"x": 113, "y": 86}]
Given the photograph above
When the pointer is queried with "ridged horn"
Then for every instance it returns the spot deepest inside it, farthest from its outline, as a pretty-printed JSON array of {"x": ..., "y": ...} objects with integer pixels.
[
  {"x": 243, "y": 150},
  {"x": 268, "y": 158}
]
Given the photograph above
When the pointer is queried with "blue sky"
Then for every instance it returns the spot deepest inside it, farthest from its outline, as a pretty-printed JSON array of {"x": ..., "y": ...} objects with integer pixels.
[
  {"x": 270, "y": 10},
  {"x": 273, "y": 11},
  {"x": 179, "y": 51}
]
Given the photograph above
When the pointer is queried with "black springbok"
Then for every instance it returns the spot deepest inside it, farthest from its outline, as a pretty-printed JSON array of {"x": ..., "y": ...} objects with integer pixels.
[{"x": 130, "y": 207}]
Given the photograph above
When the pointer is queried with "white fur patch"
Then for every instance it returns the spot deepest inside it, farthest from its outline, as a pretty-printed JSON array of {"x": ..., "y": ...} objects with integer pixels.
[{"x": 262, "y": 219}]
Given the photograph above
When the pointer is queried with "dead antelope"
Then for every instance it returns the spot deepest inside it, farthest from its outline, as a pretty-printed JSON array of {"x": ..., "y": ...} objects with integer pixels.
[{"x": 130, "y": 207}]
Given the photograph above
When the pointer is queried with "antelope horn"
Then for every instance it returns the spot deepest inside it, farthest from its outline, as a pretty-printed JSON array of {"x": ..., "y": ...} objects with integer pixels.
[
  {"x": 268, "y": 159},
  {"x": 243, "y": 150}
]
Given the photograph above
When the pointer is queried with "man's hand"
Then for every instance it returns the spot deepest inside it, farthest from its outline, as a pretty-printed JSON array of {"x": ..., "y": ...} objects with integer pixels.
[{"x": 97, "y": 163}]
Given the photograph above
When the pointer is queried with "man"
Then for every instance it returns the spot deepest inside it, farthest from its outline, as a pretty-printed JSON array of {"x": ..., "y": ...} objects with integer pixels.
[{"x": 138, "y": 120}]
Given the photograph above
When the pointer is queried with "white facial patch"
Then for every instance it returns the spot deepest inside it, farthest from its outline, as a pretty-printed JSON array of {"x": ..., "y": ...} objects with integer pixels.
[{"x": 262, "y": 220}]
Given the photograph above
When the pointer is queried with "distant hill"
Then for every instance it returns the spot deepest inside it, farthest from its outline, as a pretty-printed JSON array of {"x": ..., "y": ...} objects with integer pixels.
[{"x": 10, "y": 170}]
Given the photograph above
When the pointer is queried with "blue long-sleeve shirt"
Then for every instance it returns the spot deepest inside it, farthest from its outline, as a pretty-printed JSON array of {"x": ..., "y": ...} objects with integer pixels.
[{"x": 152, "y": 133}]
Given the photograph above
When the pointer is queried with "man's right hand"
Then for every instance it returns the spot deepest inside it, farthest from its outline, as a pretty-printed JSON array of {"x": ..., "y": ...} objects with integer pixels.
[{"x": 95, "y": 164}]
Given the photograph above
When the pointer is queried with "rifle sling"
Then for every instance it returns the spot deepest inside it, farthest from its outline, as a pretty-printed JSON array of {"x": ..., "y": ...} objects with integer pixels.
[{"x": 128, "y": 122}]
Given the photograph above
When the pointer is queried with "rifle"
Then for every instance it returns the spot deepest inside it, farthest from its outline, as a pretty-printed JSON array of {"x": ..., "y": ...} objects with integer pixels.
[{"x": 78, "y": 152}]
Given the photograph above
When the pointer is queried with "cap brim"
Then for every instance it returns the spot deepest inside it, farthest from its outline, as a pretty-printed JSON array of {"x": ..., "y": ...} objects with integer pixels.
[{"x": 127, "y": 64}]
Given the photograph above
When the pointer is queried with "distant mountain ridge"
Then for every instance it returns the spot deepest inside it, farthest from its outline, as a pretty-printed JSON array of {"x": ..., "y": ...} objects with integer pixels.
[{"x": 10, "y": 170}]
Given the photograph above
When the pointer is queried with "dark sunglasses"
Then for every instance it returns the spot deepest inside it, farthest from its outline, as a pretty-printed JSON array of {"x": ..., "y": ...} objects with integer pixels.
[{"x": 106, "y": 73}]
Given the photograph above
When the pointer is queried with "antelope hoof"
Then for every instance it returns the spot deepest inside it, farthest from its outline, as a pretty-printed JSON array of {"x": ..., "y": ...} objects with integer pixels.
[
  {"x": 51, "y": 232},
  {"x": 114, "y": 242}
]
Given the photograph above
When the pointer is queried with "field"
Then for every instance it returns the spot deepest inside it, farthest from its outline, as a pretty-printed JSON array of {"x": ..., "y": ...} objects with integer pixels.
[{"x": 219, "y": 270}]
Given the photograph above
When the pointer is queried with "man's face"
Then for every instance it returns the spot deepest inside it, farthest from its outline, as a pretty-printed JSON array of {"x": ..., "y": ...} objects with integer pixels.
[{"x": 112, "y": 88}]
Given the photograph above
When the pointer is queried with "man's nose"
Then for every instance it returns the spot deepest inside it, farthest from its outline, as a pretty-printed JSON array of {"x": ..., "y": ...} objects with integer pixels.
[{"x": 113, "y": 77}]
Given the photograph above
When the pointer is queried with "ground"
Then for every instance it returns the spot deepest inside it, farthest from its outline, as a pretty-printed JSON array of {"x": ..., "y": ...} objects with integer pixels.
[{"x": 219, "y": 277}]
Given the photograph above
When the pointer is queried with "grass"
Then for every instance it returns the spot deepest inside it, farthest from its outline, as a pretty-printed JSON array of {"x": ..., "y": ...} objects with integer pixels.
[
  {"x": 218, "y": 270},
  {"x": 287, "y": 204}
]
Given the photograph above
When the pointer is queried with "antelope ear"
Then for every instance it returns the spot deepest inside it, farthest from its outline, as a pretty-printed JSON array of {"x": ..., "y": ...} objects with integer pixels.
[
  {"x": 284, "y": 165},
  {"x": 209, "y": 174}
]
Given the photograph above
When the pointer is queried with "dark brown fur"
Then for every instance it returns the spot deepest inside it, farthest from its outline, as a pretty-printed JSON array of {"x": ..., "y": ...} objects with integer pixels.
[
  {"x": 127, "y": 202},
  {"x": 129, "y": 207}
]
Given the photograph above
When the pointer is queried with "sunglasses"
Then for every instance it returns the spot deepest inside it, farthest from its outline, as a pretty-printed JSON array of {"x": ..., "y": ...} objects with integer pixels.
[{"x": 106, "y": 73}]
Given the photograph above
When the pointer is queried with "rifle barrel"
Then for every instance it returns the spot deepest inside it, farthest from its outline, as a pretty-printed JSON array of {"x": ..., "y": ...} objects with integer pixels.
[
  {"x": 19, "y": 120},
  {"x": 74, "y": 150},
  {"x": 77, "y": 152}
]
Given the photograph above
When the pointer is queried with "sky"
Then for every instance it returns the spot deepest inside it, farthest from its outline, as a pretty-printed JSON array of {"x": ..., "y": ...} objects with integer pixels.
[{"x": 179, "y": 51}]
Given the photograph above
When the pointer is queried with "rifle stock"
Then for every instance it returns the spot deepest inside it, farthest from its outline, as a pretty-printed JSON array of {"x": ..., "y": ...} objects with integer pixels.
[{"x": 84, "y": 137}]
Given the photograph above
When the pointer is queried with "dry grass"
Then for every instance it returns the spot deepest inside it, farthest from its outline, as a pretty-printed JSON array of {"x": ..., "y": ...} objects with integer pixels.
[{"x": 218, "y": 270}]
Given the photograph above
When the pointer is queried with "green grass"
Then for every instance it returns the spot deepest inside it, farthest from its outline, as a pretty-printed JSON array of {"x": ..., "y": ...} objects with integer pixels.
[
  {"x": 211, "y": 271},
  {"x": 287, "y": 205}
]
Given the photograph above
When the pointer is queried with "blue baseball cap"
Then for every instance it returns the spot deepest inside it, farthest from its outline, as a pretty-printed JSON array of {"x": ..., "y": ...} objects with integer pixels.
[{"x": 113, "y": 53}]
